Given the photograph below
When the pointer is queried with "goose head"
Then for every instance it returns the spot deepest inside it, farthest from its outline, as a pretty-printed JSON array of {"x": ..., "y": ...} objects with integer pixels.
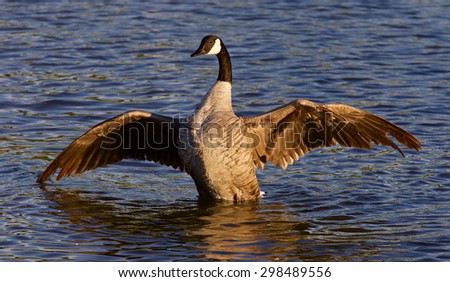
[
  {"x": 210, "y": 45},
  {"x": 213, "y": 45}
]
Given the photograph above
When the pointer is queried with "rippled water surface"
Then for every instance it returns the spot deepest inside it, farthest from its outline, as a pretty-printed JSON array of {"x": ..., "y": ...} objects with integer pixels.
[{"x": 68, "y": 65}]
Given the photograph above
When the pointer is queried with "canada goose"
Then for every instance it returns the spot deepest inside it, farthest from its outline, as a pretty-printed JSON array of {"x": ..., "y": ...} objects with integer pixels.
[{"x": 220, "y": 150}]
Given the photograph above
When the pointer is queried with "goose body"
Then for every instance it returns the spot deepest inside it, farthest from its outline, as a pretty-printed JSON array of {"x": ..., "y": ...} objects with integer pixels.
[
  {"x": 220, "y": 150},
  {"x": 220, "y": 167}
]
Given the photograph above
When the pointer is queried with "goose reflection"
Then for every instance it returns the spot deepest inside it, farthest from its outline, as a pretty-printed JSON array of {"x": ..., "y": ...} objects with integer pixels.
[
  {"x": 190, "y": 230},
  {"x": 249, "y": 232}
]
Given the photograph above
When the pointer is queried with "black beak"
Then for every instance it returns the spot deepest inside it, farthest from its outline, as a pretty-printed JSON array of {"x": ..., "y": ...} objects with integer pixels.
[{"x": 200, "y": 51}]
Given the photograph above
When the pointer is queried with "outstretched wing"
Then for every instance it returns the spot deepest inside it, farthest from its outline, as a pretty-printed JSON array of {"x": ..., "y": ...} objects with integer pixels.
[
  {"x": 285, "y": 134},
  {"x": 131, "y": 135}
]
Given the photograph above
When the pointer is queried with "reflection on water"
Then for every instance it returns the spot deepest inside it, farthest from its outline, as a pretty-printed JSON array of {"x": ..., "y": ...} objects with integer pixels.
[
  {"x": 195, "y": 231},
  {"x": 247, "y": 232},
  {"x": 67, "y": 66},
  {"x": 206, "y": 231}
]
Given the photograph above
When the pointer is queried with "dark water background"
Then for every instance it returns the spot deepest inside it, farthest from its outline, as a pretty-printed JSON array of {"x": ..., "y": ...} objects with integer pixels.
[{"x": 66, "y": 65}]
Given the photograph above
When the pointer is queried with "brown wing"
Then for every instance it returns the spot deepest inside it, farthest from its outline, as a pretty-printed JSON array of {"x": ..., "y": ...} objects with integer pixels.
[
  {"x": 131, "y": 135},
  {"x": 285, "y": 134}
]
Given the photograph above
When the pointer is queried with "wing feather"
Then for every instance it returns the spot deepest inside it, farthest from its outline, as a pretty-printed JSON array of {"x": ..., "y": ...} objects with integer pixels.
[
  {"x": 131, "y": 135},
  {"x": 291, "y": 131}
]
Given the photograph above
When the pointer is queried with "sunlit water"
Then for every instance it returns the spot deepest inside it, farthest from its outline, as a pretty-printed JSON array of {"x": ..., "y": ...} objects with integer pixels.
[{"x": 67, "y": 66}]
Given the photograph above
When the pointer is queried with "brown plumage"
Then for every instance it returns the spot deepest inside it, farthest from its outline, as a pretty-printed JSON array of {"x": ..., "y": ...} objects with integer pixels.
[
  {"x": 291, "y": 131},
  {"x": 131, "y": 135},
  {"x": 224, "y": 167}
]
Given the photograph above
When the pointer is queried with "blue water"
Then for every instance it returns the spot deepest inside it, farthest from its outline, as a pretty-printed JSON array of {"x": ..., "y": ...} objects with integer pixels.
[{"x": 66, "y": 65}]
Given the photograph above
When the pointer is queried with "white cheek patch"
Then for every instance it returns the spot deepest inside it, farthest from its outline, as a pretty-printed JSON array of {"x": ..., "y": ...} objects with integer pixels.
[{"x": 216, "y": 48}]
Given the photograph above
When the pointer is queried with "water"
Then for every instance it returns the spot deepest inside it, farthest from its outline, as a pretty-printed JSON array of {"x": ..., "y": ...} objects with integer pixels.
[{"x": 67, "y": 65}]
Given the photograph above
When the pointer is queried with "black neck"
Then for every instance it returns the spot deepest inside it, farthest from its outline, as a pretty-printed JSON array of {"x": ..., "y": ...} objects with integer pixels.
[{"x": 224, "y": 65}]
